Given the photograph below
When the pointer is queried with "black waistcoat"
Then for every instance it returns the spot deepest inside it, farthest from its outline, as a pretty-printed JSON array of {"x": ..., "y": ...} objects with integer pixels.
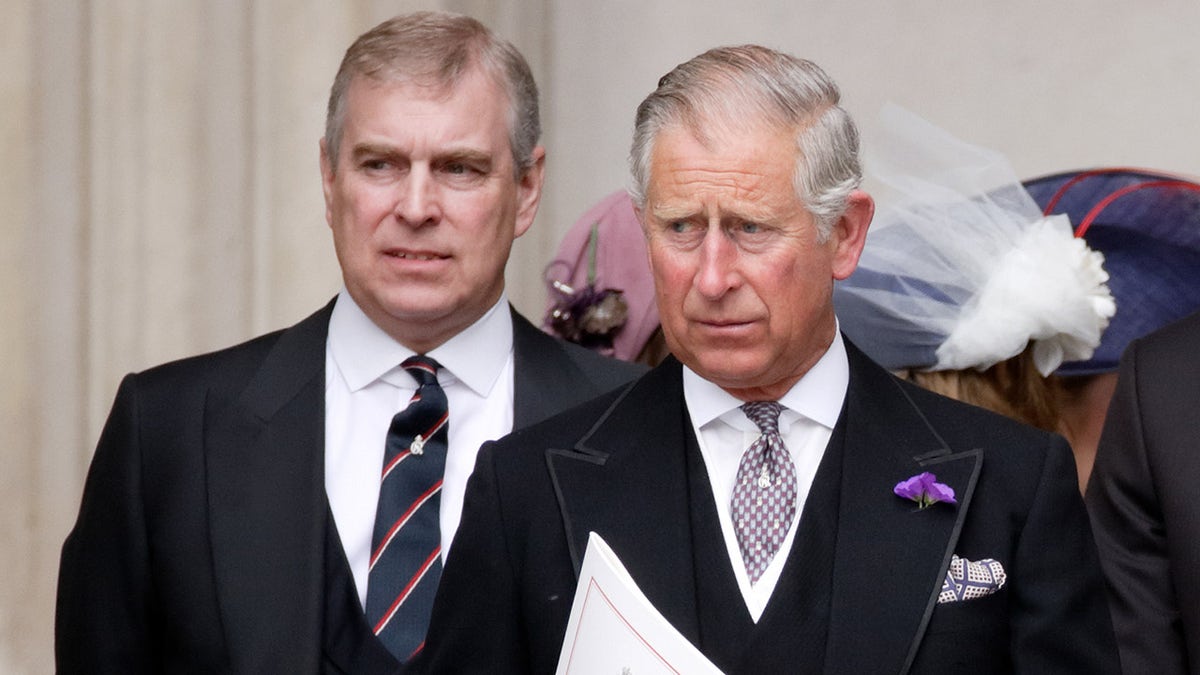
[
  {"x": 790, "y": 636},
  {"x": 349, "y": 647}
]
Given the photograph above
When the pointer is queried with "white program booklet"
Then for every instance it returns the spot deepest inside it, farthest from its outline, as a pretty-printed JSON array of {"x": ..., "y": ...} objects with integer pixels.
[{"x": 616, "y": 631}]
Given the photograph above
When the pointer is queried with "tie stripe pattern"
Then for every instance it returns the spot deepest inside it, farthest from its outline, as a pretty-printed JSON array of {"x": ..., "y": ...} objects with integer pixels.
[
  {"x": 764, "y": 492},
  {"x": 406, "y": 546}
]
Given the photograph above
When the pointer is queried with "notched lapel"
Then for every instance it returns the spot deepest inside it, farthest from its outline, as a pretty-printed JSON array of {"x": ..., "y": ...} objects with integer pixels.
[
  {"x": 626, "y": 479},
  {"x": 891, "y": 559},
  {"x": 575, "y": 473},
  {"x": 890, "y": 556},
  {"x": 961, "y": 472},
  {"x": 264, "y": 458}
]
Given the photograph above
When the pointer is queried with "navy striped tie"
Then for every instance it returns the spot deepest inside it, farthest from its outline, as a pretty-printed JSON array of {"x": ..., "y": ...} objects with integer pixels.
[{"x": 406, "y": 544}]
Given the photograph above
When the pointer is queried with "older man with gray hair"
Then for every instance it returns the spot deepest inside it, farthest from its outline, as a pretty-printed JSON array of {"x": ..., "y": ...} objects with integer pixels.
[{"x": 785, "y": 503}]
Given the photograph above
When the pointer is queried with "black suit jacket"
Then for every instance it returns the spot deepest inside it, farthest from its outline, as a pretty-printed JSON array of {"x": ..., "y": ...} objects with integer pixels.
[
  {"x": 616, "y": 466},
  {"x": 199, "y": 542},
  {"x": 1145, "y": 505}
]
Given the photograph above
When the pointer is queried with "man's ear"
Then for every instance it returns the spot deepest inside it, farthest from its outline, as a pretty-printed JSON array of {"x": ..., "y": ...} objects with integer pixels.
[
  {"x": 327, "y": 167},
  {"x": 849, "y": 233},
  {"x": 529, "y": 191}
]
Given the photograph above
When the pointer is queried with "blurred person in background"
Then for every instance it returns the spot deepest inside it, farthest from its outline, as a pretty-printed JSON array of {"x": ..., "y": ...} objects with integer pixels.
[
  {"x": 964, "y": 287},
  {"x": 1147, "y": 225},
  {"x": 1144, "y": 504},
  {"x": 601, "y": 292}
]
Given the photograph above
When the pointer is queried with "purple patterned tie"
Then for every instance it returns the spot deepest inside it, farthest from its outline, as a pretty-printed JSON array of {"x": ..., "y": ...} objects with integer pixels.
[
  {"x": 764, "y": 495},
  {"x": 406, "y": 545}
]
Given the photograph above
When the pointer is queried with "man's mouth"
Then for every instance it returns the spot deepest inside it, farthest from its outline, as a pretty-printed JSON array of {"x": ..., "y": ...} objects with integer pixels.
[
  {"x": 723, "y": 323},
  {"x": 414, "y": 255}
]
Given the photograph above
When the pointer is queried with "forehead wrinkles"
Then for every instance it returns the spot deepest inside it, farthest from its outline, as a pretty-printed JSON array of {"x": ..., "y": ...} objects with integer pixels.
[
  {"x": 710, "y": 191},
  {"x": 750, "y": 169},
  {"x": 736, "y": 182}
]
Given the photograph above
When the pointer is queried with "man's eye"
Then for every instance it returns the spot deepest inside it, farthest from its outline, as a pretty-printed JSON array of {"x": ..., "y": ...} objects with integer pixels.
[
  {"x": 375, "y": 164},
  {"x": 750, "y": 228},
  {"x": 680, "y": 226},
  {"x": 463, "y": 169}
]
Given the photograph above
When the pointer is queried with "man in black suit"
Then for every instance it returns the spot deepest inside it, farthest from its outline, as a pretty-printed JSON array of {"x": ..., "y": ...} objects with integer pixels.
[
  {"x": 227, "y": 520},
  {"x": 783, "y": 544},
  {"x": 1143, "y": 501}
]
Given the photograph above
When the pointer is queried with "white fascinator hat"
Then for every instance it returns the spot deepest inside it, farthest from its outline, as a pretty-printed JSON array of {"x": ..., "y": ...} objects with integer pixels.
[{"x": 961, "y": 269}]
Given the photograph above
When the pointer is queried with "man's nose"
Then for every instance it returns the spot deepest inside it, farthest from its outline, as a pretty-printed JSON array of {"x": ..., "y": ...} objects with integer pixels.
[
  {"x": 417, "y": 202},
  {"x": 717, "y": 271}
]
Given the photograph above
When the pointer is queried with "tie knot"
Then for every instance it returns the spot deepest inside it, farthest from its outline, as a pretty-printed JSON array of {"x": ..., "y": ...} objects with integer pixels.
[
  {"x": 765, "y": 414},
  {"x": 422, "y": 368}
]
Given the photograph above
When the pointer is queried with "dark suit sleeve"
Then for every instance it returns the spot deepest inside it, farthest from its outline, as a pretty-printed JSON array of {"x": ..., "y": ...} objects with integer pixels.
[
  {"x": 103, "y": 621},
  {"x": 1131, "y": 535},
  {"x": 476, "y": 624},
  {"x": 1060, "y": 619}
]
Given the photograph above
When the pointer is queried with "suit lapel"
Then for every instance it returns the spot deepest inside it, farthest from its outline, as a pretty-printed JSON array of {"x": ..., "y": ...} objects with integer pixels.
[
  {"x": 626, "y": 479},
  {"x": 876, "y": 623},
  {"x": 267, "y": 506},
  {"x": 545, "y": 380}
]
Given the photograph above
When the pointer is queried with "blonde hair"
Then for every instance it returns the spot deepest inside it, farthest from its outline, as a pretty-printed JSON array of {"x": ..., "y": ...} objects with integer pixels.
[{"x": 1013, "y": 388}]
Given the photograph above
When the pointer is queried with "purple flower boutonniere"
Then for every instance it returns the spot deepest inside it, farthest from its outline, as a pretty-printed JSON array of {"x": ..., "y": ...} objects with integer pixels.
[{"x": 924, "y": 489}]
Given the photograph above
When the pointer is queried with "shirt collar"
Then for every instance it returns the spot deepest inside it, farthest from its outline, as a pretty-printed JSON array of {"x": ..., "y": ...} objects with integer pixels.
[
  {"x": 818, "y": 395},
  {"x": 364, "y": 353}
]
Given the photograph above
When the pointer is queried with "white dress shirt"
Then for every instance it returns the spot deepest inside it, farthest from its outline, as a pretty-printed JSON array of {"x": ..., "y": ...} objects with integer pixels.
[
  {"x": 365, "y": 386},
  {"x": 810, "y": 410}
]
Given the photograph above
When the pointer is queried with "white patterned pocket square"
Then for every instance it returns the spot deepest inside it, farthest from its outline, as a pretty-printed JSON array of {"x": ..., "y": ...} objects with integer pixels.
[{"x": 968, "y": 579}]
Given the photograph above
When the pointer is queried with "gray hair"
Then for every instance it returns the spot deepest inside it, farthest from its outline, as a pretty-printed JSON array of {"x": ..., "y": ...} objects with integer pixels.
[
  {"x": 723, "y": 87},
  {"x": 438, "y": 48}
]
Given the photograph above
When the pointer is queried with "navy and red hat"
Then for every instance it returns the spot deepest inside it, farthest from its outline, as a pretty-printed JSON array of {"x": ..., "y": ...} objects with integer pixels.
[{"x": 1147, "y": 225}]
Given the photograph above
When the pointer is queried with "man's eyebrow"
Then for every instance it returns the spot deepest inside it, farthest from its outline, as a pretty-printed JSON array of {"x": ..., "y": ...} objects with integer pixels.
[
  {"x": 671, "y": 212},
  {"x": 369, "y": 149},
  {"x": 684, "y": 212},
  {"x": 467, "y": 155}
]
